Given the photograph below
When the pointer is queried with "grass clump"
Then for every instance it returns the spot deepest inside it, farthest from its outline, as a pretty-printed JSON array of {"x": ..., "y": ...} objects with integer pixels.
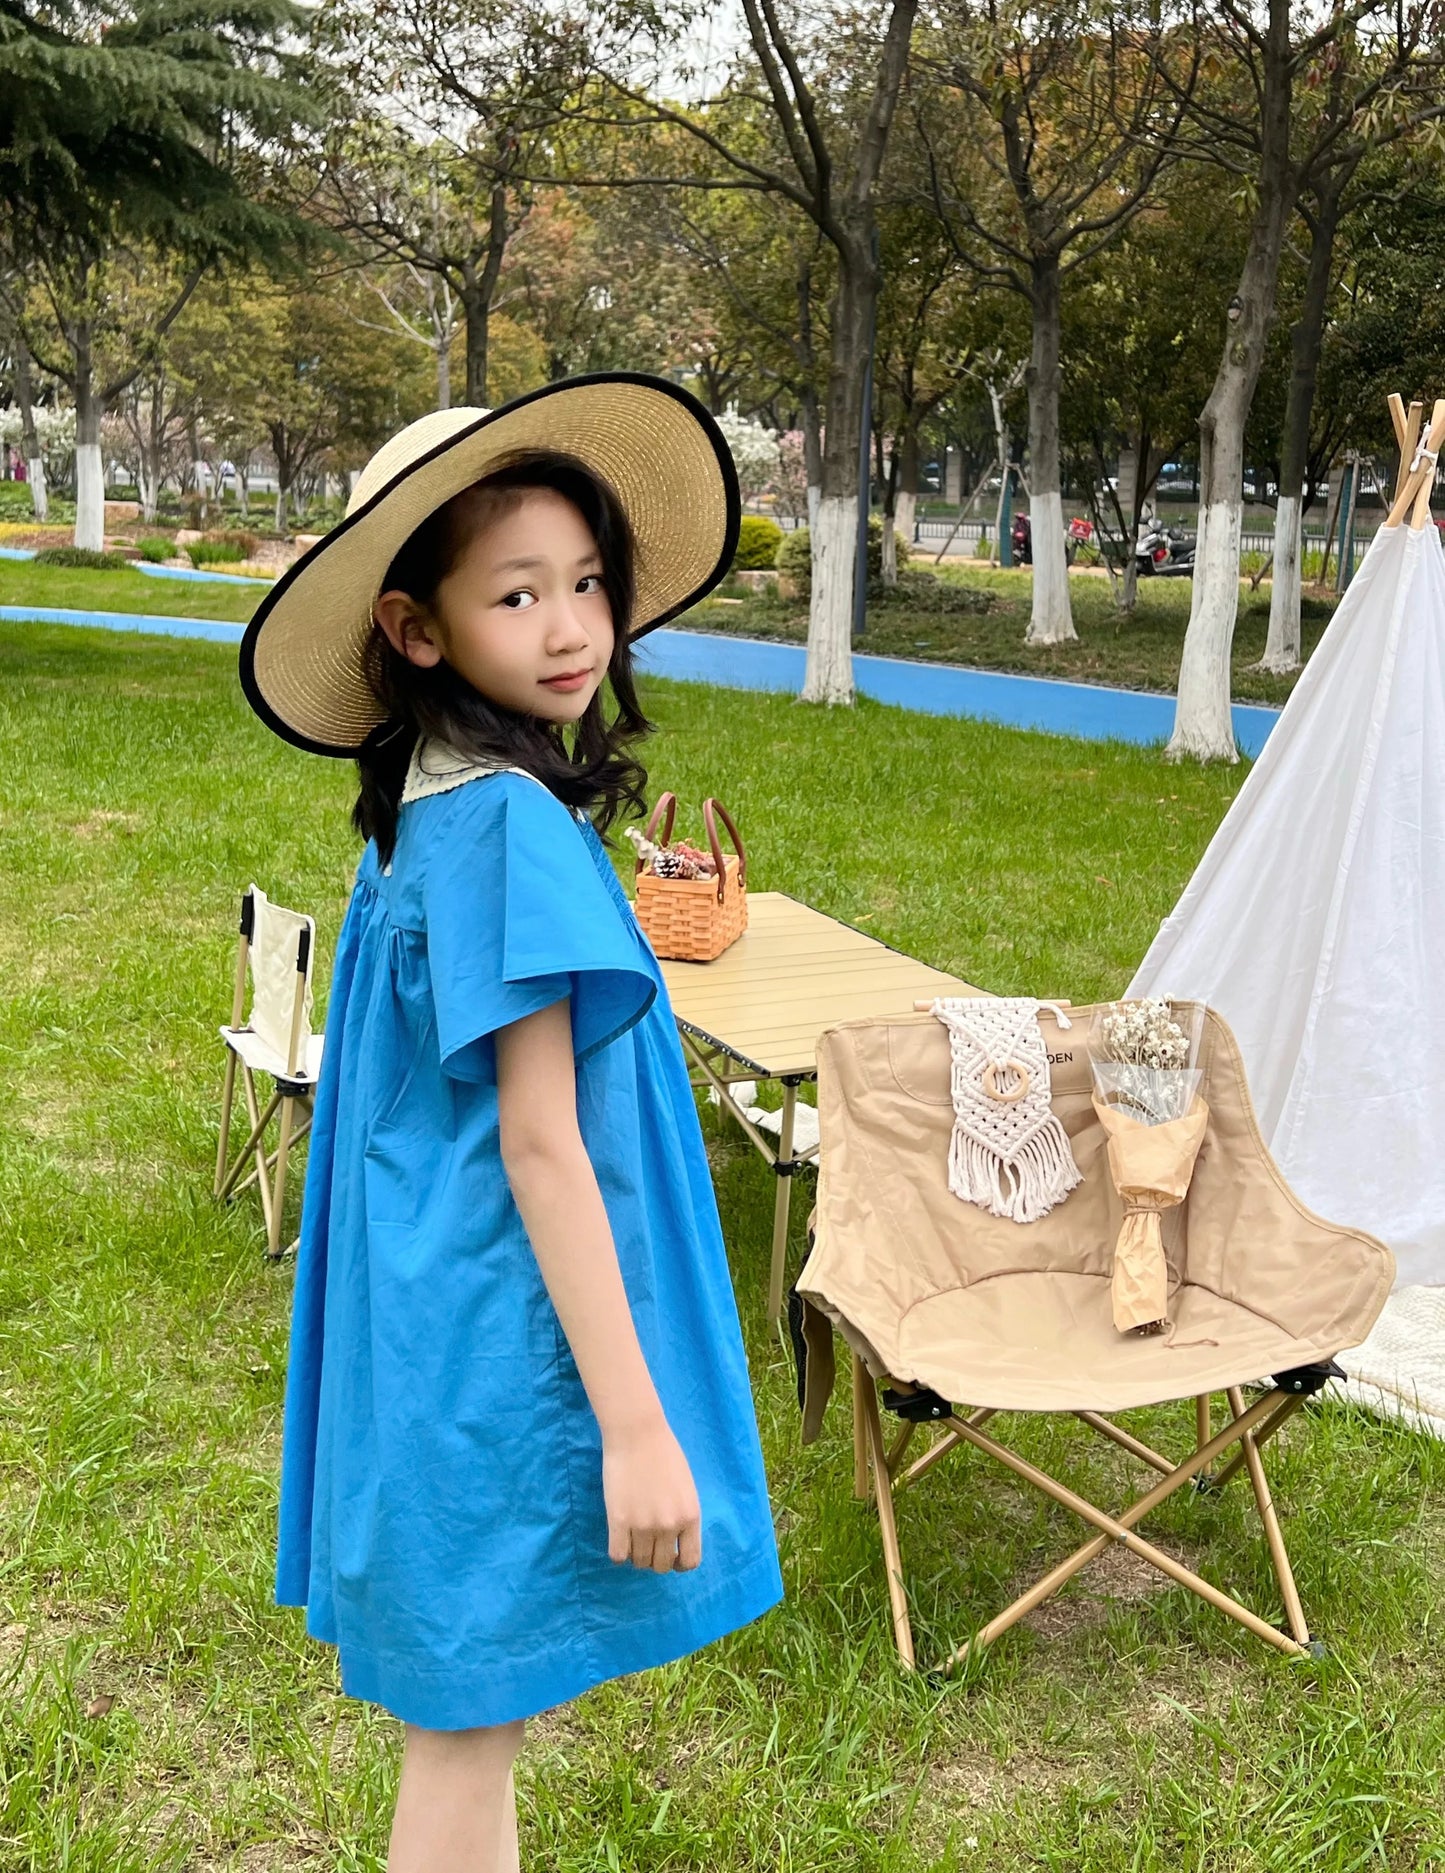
[
  {"x": 81, "y": 559},
  {"x": 222, "y": 549},
  {"x": 156, "y": 550}
]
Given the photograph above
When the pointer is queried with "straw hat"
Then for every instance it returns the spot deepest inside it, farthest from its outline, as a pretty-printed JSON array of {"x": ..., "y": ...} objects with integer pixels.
[{"x": 654, "y": 444}]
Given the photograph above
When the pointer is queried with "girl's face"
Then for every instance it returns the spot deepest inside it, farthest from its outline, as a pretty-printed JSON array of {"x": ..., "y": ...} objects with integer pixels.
[{"x": 522, "y": 616}]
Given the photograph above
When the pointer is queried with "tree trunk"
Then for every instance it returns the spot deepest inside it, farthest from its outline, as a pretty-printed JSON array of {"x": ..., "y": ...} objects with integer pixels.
[
  {"x": 828, "y": 675},
  {"x": 30, "y": 440},
  {"x": 243, "y": 486},
  {"x": 1130, "y": 503},
  {"x": 1051, "y": 621},
  {"x": 89, "y": 469},
  {"x": 1282, "y": 647},
  {"x": 477, "y": 313},
  {"x": 888, "y": 537},
  {"x": 1203, "y": 723},
  {"x": 812, "y": 451},
  {"x": 903, "y": 490},
  {"x": 444, "y": 371}
]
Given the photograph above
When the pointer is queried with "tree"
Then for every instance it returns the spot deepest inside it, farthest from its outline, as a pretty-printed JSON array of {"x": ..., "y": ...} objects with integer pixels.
[
  {"x": 1139, "y": 328},
  {"x": 1045, "y": 133},
  {"x": 458, "y": 101},
  {"x": 1335, "y": 175},
  {"x": 126, "y": 137},
  {"x": 806, "y": 115},
  {"x": 916, "y": 361},
  {"x": 293, "y": 369},
  {"x": 1260, "y": 121}
]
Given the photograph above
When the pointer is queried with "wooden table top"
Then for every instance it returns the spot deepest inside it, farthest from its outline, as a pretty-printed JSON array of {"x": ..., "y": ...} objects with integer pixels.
[{"x": 791, "y": 974}]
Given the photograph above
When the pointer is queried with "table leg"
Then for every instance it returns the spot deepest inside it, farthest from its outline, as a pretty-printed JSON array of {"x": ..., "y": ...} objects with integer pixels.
[{"x": 782, "y": 1200}]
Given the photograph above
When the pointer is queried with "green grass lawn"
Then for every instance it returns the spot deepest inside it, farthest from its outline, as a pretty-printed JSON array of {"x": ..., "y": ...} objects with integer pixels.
[
  {"x": 79, "y": 589},
  {"x": 143, "y": 1345},
  {"x": 1138, "y": 652}
]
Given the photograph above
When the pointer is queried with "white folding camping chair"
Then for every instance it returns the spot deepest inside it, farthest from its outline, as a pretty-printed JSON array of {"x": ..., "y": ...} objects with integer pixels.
[{"x": 275, "y": 1042}]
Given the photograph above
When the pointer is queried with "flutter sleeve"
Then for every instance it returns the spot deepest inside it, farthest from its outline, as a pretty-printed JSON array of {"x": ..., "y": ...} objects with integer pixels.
[{"x": 517, "y": 917}]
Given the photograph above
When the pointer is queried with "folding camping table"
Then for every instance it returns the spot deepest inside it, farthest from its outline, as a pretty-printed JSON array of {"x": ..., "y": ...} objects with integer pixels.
[{"x": 756, "y": 1012}]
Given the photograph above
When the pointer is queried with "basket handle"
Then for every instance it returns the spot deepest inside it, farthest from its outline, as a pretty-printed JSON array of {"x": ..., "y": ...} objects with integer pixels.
[
  {"x": 713, "y": 810},
  {"x": 666, "y": 811}
]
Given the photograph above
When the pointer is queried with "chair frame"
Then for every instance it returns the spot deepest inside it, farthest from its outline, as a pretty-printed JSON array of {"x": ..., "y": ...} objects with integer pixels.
[
  {"x": 879, "y": 1473},
  {"x": 292, "y": 1095}
]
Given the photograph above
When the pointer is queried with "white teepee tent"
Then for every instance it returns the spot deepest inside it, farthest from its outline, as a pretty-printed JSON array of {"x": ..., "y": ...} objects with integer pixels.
[{"x": 1315, "y": 924}]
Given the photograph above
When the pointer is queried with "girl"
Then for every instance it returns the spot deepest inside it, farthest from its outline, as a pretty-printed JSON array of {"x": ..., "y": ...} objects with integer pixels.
[{"x": 520, "y": 1455}]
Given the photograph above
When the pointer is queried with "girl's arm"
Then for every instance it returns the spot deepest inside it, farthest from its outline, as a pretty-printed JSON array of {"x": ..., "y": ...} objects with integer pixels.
[{"x": 653, "y": 1516}]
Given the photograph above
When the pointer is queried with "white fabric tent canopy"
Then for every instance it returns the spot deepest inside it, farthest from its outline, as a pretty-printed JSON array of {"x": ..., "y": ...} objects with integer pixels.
[{"x": 1315, "y": 924}]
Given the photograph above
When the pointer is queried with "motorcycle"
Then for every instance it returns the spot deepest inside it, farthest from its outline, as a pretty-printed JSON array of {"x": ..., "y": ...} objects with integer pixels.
[
  {"x": 1165, "y": 552},
  {"x": 1081, "y": 533},
  {"x": 1021, "y": 539}
]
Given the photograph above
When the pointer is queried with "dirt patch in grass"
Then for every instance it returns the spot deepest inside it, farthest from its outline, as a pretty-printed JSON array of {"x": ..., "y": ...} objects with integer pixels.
[{"x": 1117, "y": 1577}]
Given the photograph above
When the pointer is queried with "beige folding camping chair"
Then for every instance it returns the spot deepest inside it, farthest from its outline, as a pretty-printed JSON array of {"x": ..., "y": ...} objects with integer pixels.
[
  {"x": 958, "y": 1316},
  {"x": 276, "y": 1043}
]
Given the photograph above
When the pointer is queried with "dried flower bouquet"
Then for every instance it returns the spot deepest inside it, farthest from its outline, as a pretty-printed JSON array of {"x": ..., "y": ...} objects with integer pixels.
[{"x": 1146, "y": 1096}]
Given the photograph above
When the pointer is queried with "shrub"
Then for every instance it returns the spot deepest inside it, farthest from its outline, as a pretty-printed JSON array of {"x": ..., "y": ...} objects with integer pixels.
[
  {"x": 223, "y": 549},
  {"x": 81, "y": 557},
  {"x": 794, "y": 559},
  {"x": 156, "y": 551},
  {"x": 795, "y": 555},
  {"x": 758, "y": 541}
]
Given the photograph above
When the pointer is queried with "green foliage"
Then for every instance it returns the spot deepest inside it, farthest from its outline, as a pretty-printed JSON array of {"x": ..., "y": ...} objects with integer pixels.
[
  {"x": 795, "y": 555},
  {"x": 156, "y": 551},
  {"x": 111, "y": 127},
  {"x": 758, "y": 541},
  {"x": 80, "y": 558},
  {"x": 794, "y": 559}
]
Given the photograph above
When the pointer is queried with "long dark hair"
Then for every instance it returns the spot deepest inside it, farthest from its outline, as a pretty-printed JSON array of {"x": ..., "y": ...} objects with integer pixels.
[{"x": 593, "y": 768}]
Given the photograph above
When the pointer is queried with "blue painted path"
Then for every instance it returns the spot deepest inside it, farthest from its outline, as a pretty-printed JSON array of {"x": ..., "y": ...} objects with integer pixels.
[
  {"x": 1083, "y": 710},
  {"x": 1087, "y": 710}
]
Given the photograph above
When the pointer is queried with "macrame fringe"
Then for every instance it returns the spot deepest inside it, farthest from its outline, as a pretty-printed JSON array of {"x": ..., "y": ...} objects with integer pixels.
[{"x": 1022, "y": 1188}]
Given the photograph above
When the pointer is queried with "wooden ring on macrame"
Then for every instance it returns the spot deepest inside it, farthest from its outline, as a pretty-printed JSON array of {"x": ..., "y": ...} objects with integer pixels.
[{"x": 989, "y": 1082}]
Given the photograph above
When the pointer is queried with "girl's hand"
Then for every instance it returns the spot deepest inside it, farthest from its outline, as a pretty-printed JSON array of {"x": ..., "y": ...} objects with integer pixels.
[{"x": 653, "y": 1516}]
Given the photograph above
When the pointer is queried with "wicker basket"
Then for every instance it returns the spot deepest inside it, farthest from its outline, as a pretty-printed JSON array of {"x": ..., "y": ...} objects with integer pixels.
[{"x": 692, "y": 920}]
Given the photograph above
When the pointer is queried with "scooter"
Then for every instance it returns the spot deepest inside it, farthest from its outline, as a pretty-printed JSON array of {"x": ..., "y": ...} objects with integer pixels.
[
  {"x": 1021, "y": 539},
  {"x": 1165, "y": 552}
]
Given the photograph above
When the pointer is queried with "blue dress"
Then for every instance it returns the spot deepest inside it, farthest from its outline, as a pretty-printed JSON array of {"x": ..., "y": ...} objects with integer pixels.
[{"x": 442, "y": 1517}]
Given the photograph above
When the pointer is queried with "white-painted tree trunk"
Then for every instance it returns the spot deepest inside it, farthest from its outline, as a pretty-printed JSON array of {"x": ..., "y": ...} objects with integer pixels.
[
  {"x": 1051, "y": 620},
  {"x": 907, "y": 514},
  {"x": 149, "y": 490},
  {"x": 1203, "y": 720},
  {"x": 39, "y": 491},
  {"x": 1281, "y": 650},
  {"x": 89, "y": 497},
  {"x": 815, "y": 494},
  {"x": 829, "y": 673}
]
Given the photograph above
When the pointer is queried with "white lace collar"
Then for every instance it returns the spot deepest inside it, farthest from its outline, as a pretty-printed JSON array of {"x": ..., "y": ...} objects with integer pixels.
[{"x": 437, "y": 767}]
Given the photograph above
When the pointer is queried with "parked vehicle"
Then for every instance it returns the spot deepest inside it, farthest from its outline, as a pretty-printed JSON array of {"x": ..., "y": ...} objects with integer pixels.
[
  {"x": 1081, "y": 533},
  {"x": 1021, "y": 538},
  {"x": 1165, "y": 552}
]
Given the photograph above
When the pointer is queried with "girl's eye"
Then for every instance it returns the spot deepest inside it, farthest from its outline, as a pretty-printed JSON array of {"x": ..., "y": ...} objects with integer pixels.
[
  {"x": 520, "y": 601},
  {"x": 592, "y": 583}
]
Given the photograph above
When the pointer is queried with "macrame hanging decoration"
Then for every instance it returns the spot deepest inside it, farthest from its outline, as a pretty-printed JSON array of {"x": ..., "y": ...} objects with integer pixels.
[{"x": 1009, "y": 1154}]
